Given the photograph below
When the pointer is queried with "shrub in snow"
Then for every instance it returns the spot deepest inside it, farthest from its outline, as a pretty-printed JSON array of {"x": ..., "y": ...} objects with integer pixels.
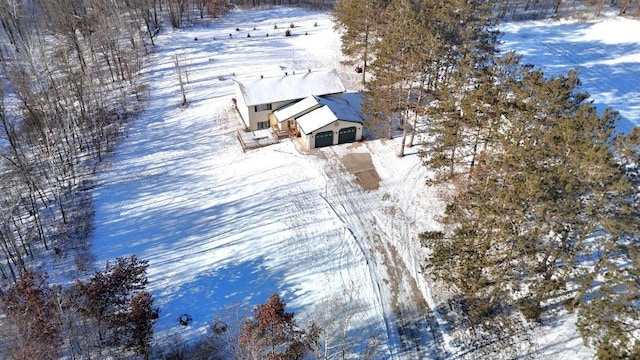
[
  {"x": 287, "y": 33},
  {"x": 119, "y": 305},
  {"x": 272, "y": 333},
  {"x": 31, "y": 320}
]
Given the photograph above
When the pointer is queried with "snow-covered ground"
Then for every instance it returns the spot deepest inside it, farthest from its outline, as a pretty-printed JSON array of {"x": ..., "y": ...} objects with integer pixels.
[
  {"x": 222, "y": 228},
  {"x": 605, "y": 53}
]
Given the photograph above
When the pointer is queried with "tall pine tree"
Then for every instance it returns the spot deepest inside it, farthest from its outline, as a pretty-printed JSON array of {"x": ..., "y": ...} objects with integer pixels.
[
  {"x": 548, "y": 209},
  {"x": 397, "y": 68},
  {"x": 358, "y": 22}
]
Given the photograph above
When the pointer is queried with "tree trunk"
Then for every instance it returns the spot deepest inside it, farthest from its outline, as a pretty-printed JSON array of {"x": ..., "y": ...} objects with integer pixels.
[
  {"x": 588, "y": 283},
  {"x": 404, "y": 138}
]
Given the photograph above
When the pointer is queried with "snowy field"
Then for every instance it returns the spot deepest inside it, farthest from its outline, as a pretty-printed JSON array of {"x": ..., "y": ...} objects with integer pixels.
[
  {"x": 605, "y": 53},
  {"x": 222, "y": 228}
]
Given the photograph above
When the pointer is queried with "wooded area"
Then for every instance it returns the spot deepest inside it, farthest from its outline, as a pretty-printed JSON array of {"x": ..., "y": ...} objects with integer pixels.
[
  {"x": 544, "y": 205},
  {"x": 69, "y": 84},
  {"x": 543, "y": 215}
]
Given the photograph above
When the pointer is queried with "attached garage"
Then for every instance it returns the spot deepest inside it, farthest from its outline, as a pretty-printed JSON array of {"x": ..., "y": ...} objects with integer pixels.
[
  {"x": 346, "y": 135},
  {"x": 334, "y": 122},
  {"x": 324, "y": 138}
]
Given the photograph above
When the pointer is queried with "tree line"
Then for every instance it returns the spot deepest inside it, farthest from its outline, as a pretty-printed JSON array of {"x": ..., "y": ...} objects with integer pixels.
[
  {"x": 542, "y": 209},
  {"x": 108, "y": 315},
  {"x": 312, "y": 3},
  {"x": 69, "y": 84},
  {"x": 111, "y": 315},
  {"x": 537, "y": 9}
]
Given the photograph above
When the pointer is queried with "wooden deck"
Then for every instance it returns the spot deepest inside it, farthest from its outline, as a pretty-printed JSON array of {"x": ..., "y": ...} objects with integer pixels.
[{"x": 256, "y": 139}]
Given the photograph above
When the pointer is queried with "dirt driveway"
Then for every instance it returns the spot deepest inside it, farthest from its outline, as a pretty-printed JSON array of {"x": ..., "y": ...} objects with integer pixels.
[
  {"x": 360, "y": 165},
  {"x": 379, "y": 227}
]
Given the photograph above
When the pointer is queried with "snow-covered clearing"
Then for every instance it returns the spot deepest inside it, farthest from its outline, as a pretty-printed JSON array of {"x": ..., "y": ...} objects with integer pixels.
[
  {"x": 222, "y": 228},
  {"x": 606, "y": 54}
]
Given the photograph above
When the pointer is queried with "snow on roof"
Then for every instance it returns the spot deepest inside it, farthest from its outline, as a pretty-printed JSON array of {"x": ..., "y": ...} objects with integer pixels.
[
  {"x": 292, "y": 86},
  {"x": 296, "y": 109},
  {"x": 333, "y": 108},
  {"x": 316, "y": 119}
]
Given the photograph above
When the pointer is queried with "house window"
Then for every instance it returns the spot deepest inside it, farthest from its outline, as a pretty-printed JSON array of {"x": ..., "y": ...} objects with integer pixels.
[
  {"x": 263, "y": 125},
  {"x": 262, "y": 107}
]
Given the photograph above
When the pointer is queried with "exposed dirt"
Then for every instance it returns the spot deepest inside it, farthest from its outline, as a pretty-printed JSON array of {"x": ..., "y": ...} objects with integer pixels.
[
  {"x": 412, "y": 312},
  {"x": 380, "y": 227},
  {"x": 360, "y": 165}
]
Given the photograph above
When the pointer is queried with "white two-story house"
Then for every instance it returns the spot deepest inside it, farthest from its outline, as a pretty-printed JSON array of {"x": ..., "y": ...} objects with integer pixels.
[{"x": 311, "y": 103}]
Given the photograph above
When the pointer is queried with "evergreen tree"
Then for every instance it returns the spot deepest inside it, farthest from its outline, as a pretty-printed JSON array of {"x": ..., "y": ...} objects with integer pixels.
[
  {"x": 358, "y": 22},
  {"x": 607, "y": 299},
  {"x": 462, "y": 40},
  {"x": 461, "y": 74},
  {"x": 547, "y": 209},
  {"x": 397, "y": 69},
  {"x": 464, "y": 125}
]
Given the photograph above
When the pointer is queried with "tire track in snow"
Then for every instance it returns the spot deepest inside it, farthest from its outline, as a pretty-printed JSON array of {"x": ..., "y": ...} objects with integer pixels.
[
  {"x": 418, "y": 326},
  {"x": 375, "y": 281},
  {"x": 412, "y": 328}
]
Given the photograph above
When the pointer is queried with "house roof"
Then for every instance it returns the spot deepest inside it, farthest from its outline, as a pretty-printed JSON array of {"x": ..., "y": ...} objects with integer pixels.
[
  {"x": 332, "y": 109},
  {"x": 297, "y": 109},
  {"x": 293, "y": 86}
]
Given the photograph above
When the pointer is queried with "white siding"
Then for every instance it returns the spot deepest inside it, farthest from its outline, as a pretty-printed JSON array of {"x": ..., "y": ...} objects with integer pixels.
[
  {"x": 242, "y": 107},
  {"x": 252, "y": 118}
]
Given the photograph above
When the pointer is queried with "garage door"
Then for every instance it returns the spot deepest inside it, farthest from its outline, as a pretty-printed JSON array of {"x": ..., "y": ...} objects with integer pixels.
[
  {"x": 347, "y": 135},
  {"x": 324, "y": 139}
]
